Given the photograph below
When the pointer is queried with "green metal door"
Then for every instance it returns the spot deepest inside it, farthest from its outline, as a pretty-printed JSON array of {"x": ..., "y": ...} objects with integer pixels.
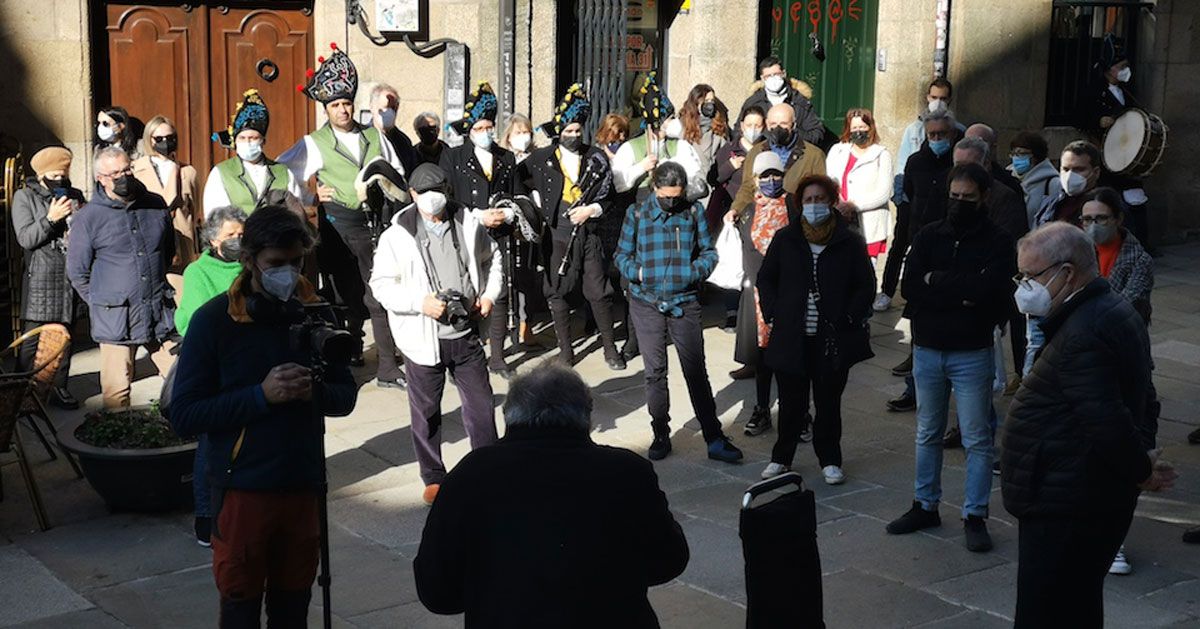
[{"x": 846, "y": 30}]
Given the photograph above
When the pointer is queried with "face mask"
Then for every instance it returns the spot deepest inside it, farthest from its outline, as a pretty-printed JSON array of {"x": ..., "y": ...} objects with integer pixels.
[
  {"x": 1101, "y": 234},
  {"x": 772, "y": 188},
  {"x": 428, "y": 135},
  {"x": 779, "y": 136},
  {"x": 249, "y": 151},
  {"x": 280, "y": 281},
  {"x": 126, "y": 187},
  {"x": 105, "y": 133},
  {"x": 673, "y": 128},
  {"x": 613, "y": 147},
  {"x": 432, "y": 203},
  {"x": 571, "y": 142},
  {"x": 520, "y": 141},
  {"x": 937, "y": 105},
  {"x": 672, "y": 204},
  {"x": 1033, "y": 298},
  {"x": 860, "y": 138},
  {"x": 167, "y": 146},
  {"x": 1073, "y": 183},
  {"x": 962, "y": 213},
  {"x": 482, "y": 139},
  {"x": 1124, "y": 75},
  {"x": 54, "y": 185},
  {"x": 1022, "y": 163},
  {"x": 708, "y": 109},
  {"x": 387, "y": 118},
  {"x": 816, "y": 213},
  {"x": 752, "y": 134},
  {"x": 939, "y": 147},
  {"x": 230, "y": 249},
  {"x": 774, "y": 83}
]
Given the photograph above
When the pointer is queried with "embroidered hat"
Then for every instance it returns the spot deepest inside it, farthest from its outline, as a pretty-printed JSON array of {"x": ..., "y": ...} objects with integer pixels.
[
  {"x": 652, "y": 105},
  {"x": 251, "y": 113},
  {"x": 481, "y": 105},
  {"x": 336, "y": 78},
  {"x": 575, "y": 107}
]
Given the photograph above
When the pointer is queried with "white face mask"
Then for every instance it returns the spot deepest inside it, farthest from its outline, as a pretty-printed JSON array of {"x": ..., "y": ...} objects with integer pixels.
[
  {"x": 482, "y": 139},
  {"x": 937, "y": 105},
  {"x": 432, "y": 203},
  {"x": 280, "y": 281},
  {"x": 249, "y": 151},
  {"x": 752, "y": 134},
  {"x": 816, "y": 213},
  {"x": 1033, "y": 298},
  {"x": 520, "y": 141},
  {"x": 387, "y": 118},
  {"x": 106, "y": 133},
  {"x": 673, "y": 128},
  {"x": 1073, "y": 183},
  {"x": 774, "y": 83},
  {"x": 1124, "y": 75}
]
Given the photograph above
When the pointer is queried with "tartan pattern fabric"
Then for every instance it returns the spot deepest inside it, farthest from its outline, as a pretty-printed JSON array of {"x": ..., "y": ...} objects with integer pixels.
[{"x": 665, "y": 256}]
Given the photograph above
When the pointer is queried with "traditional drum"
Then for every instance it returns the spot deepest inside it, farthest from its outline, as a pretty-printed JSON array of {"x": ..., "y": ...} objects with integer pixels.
[{"x": 1134, "y": 145}]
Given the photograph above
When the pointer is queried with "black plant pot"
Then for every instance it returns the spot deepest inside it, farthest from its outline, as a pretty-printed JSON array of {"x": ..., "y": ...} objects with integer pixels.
[{"x": 150, "y": 480}]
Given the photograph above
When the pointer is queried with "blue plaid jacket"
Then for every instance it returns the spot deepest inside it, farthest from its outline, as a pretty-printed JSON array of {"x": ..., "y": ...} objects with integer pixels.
[{"x": 665, "y": 256}]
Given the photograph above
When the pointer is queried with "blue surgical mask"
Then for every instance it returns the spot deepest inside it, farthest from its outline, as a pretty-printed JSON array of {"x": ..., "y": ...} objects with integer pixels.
[
  {"x": 771, "y": 188},
  {"x": 939, "y": 147},
  {"x": 1022, "y": 163},
  {"x": 816, "y": 213}
]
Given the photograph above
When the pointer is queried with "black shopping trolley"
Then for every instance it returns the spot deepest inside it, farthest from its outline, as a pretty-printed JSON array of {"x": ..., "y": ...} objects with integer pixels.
[{"x": 783, "y": 566}]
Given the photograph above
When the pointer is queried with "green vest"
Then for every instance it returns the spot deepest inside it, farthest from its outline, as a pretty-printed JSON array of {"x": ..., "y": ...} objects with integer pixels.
[
  {"x": 340, "y": 169},
  {"x": 641, "y": 146},
  {"x": 240, "y": 188}
]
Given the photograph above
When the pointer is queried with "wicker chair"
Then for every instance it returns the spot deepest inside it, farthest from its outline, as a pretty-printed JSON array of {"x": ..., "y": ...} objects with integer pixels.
[
  {"x": 53, "y": 342},
  {"x": 14, "y": 390}
]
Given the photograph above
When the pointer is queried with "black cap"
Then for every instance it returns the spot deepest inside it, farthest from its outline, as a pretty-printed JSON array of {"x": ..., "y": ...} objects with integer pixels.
[{"x": 427, "y": 177}]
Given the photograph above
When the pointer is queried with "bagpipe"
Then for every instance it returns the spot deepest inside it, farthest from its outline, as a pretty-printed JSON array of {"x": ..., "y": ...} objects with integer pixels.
[
  {"x": 382, "y": 191},
  {"x": 594, "y": 181},
  {"x": 526, "y": 228}
]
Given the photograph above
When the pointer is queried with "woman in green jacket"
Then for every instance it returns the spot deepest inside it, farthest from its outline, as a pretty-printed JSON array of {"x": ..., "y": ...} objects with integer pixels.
[{"x": 214, "y": 271}]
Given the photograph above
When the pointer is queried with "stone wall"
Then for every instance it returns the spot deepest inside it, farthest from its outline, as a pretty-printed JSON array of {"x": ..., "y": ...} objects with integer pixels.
[
  {"x": 45, "y": 87},
  {"x": 714, "y": 44},
  {"x": 907, "y": 35}
]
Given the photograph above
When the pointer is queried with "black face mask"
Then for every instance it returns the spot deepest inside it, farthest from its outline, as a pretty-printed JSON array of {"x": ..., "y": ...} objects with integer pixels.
[
  {"x": 672, "y": 204},
  {"x": 571, "y": 142},
  {"x": 860, "y": 138},
  {"x": 126, "y": 187},
  {"x": 166, "y": 146},
  {"x": 708, "y": 109},
  {"x": 963, "y": 214},
  {"x": 230, "y": 249},
  {"x": 779, "y": 136},
  {"x": 428, "y": 135},
  {"x": 54, "y": 185}
]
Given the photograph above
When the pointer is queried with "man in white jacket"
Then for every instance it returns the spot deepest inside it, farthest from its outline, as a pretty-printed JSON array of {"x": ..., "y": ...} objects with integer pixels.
[{"x": 433, "y": 273}]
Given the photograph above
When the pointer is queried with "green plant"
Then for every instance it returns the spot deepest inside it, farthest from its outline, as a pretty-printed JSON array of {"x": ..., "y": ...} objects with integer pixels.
[{"x": 130, "y": 428}]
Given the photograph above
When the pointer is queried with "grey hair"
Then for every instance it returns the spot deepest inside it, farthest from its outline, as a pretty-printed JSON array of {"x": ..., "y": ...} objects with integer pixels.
[
  {"x": 551, "y": 396},
  {"x": 217, "y": 220},
  {"x": 112, "y": 150},
  {"x": 419, "y": 121},
  {"x": 938, "y": 115},
  {"x": 1063, "y": 242},
  {"x": 978, "y": 145},
  {"x": 381, "y": 88}
]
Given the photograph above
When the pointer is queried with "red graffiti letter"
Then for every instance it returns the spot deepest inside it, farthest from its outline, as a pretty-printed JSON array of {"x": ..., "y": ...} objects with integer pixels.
[
  {"x": 814, "y": 13},
  {"x": 795, "y": 13},
  {"x": 854, "y": 11},
  {"x": 835, "y": 16}
]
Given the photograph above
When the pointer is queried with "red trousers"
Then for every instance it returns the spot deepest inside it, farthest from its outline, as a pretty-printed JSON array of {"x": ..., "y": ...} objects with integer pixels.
[{"x": 265, "y": 541}]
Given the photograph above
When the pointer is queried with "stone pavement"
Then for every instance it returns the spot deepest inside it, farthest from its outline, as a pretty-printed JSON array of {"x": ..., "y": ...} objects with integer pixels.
[{"x": 96, "y": 569}]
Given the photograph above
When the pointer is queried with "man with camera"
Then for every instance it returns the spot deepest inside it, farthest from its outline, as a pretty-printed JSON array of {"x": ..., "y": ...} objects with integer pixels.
[
  {"x": 434, "y": 274},
  {"x": 260, "y": 393}
]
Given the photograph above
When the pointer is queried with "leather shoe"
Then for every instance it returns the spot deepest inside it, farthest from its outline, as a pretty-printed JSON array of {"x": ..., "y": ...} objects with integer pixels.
[{"x": 746, "y": 372}]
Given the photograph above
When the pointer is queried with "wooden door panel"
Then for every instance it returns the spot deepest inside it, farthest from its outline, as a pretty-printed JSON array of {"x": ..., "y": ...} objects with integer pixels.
[{"x": 240, "y": 40}]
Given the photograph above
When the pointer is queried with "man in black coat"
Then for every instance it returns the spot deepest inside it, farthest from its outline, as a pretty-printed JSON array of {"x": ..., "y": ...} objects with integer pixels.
[
  {"x": 1075, "y": 440},
  {"x": 774, "y": 88},
  {"x": 384, "y": 102},
  {"x": 545, "y": 528}
]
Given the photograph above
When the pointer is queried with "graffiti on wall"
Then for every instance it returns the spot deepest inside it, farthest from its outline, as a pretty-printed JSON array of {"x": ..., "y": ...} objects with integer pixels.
[{"x": 833, "y": 11}]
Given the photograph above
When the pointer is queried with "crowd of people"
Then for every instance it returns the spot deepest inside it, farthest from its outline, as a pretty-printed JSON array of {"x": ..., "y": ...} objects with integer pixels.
[{"x": 426, "y": 241}]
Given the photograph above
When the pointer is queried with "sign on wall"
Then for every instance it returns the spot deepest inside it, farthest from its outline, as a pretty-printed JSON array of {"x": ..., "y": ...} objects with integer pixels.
[{"x": 398, "y": 16}]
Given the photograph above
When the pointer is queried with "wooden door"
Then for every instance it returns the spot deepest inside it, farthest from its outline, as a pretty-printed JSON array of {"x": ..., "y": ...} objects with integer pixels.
[
  {"x": 193, "y": 62},
  {"x": 250, "y": 46}
]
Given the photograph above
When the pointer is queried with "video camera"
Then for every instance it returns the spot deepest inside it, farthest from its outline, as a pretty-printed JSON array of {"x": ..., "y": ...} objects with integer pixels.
[
  {"x": 316, "y": 335},
  {"x": 458, "y": 309}
]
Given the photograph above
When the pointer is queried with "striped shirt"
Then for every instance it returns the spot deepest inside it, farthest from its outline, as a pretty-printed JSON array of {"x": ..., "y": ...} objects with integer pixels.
[{"x": 810, "y": 315}]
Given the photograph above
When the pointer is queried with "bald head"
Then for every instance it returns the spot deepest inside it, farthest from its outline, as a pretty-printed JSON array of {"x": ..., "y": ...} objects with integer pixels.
[
  {"x": 781, "y": 115},
  {"x": 985, "y": 133}
]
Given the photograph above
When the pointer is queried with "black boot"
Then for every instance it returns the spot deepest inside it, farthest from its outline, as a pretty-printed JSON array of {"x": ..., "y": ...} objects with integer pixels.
[
  {"x": 240, "y": 613},
  {"x": 287, "y": 609}
]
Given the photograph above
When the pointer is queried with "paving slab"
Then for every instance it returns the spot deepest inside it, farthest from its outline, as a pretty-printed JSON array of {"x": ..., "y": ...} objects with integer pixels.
[
  {"x": 30, "y": 592},
  {"x": 91, "y": 619},
  {"x": 680, "y": 606},
  {"x": 854, "y": 598}
]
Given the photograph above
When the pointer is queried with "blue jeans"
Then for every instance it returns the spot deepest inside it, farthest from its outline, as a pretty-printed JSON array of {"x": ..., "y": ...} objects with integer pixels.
[
  {"x": 1034, "y": 340},
  {"x": 969, "y": 375},
  {"x": 201, "y": 492}
]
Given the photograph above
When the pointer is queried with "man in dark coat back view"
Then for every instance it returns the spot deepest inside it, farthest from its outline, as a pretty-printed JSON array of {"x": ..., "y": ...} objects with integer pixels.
[
  {"x": 546, "y": 528},
  {"x": 1076, "y": 441}
]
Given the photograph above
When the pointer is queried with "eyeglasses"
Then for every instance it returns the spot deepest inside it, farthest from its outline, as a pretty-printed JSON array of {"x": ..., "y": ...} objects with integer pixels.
[
  {"x": 1098, "y": 220},
  {"x": 117, "y": 174},
  {"x": 164, "y": 138},
  {"x": 1023, "y": 280}
]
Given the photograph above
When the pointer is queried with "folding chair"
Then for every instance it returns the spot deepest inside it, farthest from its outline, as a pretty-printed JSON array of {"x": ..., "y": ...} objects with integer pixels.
[
  {"x": 14, "y": 389},
  {"x": 53, "y": 342}
]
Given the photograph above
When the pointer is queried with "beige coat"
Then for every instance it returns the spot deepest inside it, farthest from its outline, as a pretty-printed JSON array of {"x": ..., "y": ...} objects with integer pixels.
[{"x": 182, "y": 194}]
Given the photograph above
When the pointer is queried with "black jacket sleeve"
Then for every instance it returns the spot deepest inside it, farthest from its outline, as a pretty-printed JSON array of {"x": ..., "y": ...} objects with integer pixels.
[
  {"x": 440, "y": 567},
  {"x": 808, "y": 123},
  {"x": 665, "y": 547},
  {"x": 767, "y": 282}
]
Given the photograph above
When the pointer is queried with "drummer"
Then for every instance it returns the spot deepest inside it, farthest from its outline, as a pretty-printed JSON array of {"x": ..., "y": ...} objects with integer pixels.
[{"x": 1114, "y": 98}]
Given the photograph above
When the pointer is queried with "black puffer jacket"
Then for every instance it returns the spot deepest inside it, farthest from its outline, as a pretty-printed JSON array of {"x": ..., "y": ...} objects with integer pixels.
[
  {"x": 1076, "y": 436},
  {"x": 46, "y": 293}
]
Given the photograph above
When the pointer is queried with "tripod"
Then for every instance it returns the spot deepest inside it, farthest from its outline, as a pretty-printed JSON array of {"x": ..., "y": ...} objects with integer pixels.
[{"x": 324, "y": 579}]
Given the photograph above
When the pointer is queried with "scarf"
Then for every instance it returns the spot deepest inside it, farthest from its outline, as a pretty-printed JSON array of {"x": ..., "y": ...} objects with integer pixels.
[
  {"x": 770, "y": 216},
  {"x": 819, "y": 234}
]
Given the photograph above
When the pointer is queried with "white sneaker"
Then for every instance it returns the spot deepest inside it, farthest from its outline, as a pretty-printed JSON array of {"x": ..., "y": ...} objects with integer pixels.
[
  {"x": 773, "y": 470},
  {"x": 1120, "y": 564},
  {"x": 833, "y": 475},
  {"x": 882, "y": 303}
]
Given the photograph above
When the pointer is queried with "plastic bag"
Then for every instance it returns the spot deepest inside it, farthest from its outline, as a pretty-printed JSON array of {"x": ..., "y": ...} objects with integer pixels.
[{"x": 729, "y": 271}]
